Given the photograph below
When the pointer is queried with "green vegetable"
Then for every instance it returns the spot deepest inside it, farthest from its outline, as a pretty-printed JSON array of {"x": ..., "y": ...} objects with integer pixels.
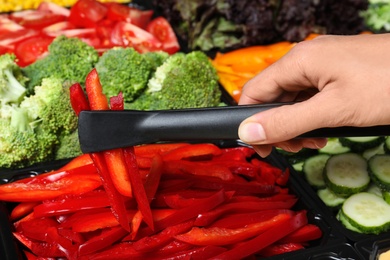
[
  {"x": 123, "y": 70},
  {"x": 367, "y": 212},
  {"x": 32, "y": 129},
  {"x": 182, "y": 81},
  {"x": 12, "y": 81},
  {"x": 69, "y": 59},
  {"x": 68, "y": 147},
  {"x": 377, "y": 15},
  {"x": 329, "y": 198},
  {"x": 360, "y": 144},
  {"x": 313, "y": 169},
  {"x": 379, "y": 169}
]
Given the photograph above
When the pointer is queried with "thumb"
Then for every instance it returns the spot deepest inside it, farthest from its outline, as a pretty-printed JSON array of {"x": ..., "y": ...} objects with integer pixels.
[{"x": 284, "y": 123}]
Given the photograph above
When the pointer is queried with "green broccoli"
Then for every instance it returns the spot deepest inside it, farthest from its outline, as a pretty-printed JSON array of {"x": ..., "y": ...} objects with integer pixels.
[
  {"x": 12, "y": 81},
  {"x": 123, "y": 70},
  {"x": 68, "y": 147},
  {"x": 156, "y": 58},
  {"x": 32, "y": 131},
  {"x": 69, "y": 59},
  {"x": 182, "y": 81}
]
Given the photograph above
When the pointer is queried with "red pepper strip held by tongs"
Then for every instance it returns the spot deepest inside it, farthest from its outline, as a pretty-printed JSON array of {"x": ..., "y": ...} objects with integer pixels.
[{"x": 98, "y": 101}]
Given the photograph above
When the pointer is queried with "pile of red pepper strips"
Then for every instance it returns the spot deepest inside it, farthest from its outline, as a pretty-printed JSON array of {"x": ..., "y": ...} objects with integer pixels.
[{"x": 157, "y": 201}]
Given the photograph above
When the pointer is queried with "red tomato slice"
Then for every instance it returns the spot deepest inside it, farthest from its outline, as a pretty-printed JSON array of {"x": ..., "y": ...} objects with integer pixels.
[
  {"x": 57, "y": 28},
  {"x": 127, "y": 34},
  {"x": 53, "y": 8},
  {"x": 10, "y": 38},
  {"x": 8, "y": 25},
  {"x": 162, "y": 30},
  {"x": 87, "y": 13},
  {"x": 31, "y": 49},
  {"x": 4, "y": 50},
  {"x": 120, "y": 12},
  {"x": 35, "y": 19}
]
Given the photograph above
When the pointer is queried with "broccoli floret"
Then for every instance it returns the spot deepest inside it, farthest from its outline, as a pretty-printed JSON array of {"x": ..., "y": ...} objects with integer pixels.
[
  {"x": 12, "y": 81},
  {"x": 69, "y": 59},
  {"x": 182, "y": 81},
  {"x": 32, "y": 131},
  {"x": 68, "y": 147},
  {"x": 123, "y": 70},
  {"x": 156, "y": 58},
  {"x": 22, "y": 142}
]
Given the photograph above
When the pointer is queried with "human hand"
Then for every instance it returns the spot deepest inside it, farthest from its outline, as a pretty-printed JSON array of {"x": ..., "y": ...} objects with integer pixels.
[{"x": 343, "y": 80}]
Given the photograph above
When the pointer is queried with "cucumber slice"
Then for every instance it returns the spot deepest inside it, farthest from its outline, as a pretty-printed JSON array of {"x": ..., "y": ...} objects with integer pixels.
[
  {"x": 329, "y": 198},
  {"x": 346, "y": 174},
  {"x": 374, "y": 189},
  {"x": 367, "y": 154},
  {"x": 333, "y": 146},
  {"x": 386, "y": 146},
  {"x": 298, "y": 166},
  {"x": 313, "y": 169},
  {"x": 367, "y": 212},
  {"x": 379, "y": 169},
  {"x": 386, "y": 196},
  {"x": 297, "y": 157},
  {"x": 359, "y": 144},
  {"x": 345, "y": 222}
]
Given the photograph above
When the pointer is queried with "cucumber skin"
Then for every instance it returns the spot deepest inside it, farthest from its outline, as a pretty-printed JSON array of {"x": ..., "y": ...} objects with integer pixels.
[
  {"x": 386, "y": 196},
  {"x": 386, "y": 146},
  {"x": 345, "y": 222},
  {"x": 360, "y": 147},
  {"x": 381, "y": 183},
  {"x": 324, "y": 194},
  {"x": 364, "y": 229},
  {"x": 317, "y": 185}
]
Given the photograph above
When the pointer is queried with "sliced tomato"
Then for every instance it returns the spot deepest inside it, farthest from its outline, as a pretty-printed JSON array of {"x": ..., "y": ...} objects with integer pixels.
[
  {"x": 127, "y": 34},
  {"x": 57, "y": 28},
  {"x": 8, "y": 25},
  {"x": 162, "y": 30},
  {"x": 31, "y": 49},
  {"x": 9, "y": 39},
  {"x": 6, "y": 49},
  {"x": 103, "y": 31},
  {"x": 87, "y": 13},
  {"x": 35, "y": 19},
  {"x": 120, "y": 12},
  {"x": 53, "y": 8}
]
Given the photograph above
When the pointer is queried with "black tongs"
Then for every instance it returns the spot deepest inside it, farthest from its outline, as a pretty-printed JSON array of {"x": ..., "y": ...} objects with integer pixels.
[{"x": 104, "y": 130}]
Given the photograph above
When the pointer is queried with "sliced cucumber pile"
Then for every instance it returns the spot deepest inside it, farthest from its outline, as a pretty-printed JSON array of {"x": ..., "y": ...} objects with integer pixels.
[{"x": 351, "y": 175}]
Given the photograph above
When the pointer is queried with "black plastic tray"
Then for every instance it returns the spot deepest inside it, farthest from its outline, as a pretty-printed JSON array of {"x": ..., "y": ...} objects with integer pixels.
[
  {"x": 371, "y": 248},
  {"x": 331, "y": 236}
]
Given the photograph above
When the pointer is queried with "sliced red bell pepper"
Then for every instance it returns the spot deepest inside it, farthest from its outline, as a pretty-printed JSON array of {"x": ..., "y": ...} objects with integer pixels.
[
  {"x": 283, "y": 178},
  {"x": 199, "y": 253},
  {"x": 150, "y": 150},
  {"x": 78, "y": 99},
  {"x": 224, "y": 236},
  {"x": 151, "y": 243},
  {"x": 278, "y": 249},
  {"x": 117, "y": 201},
  {"x": 104, "y": 240},
  {"x": 69, "y": 204},
  {"x": 138, "y": 186},
  {"x": 174, "y": 247},
  {"x": 190, "y": 212},
  {"x": 37, "y": 228},
  {"x": 117, "y": 102},
  {"x": 22, "y": 209},
  {"x": 153, "y": 179},
  {"x": 306, "y": 233},
  {"x": 266, "y": 238},
  {"x": 193, "y": 151},
  {"x": 79, "y": 161},
  {"x": 97, "y": 99}
]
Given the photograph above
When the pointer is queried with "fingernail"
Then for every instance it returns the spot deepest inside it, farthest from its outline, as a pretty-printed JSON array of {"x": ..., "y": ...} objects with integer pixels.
[{"x": 251, "y": 132}]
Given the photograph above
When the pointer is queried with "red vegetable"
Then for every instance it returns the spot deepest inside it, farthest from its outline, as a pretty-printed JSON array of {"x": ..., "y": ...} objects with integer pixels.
[
  {"x": 29, "y": 50},
  {"x": 162, "y": 30},
  {"x": 86, "y": 13}
]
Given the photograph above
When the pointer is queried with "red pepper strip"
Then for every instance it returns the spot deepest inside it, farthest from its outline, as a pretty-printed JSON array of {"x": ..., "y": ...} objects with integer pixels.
[
  {"x": 175, "y": 246},
  {"x": 306, "y": 233},
  {"x": 97, "y": 99},
  {"x": 138, "y": 186},
  {"x": 78, "y": 100},
  {"x": 116, "y": 199},
  {"x": 45, "y": 249},
  {"x": 29, "y": 255},
  {"x": 136, "y": 222},
  {"x": 69, "y": 204},
  {"x": 120, "y": 251},
  {"x": 116, "y": 102},
  {"x": 37, "y": 228},
  {"x": 247, "y": 151},
  {"x": 118, "y": 171},
  {"x": 190, "y": 212},
  {"x": 104, "y": 240},
  {"x": 203, "y": 150},
  {"x": 69, "y": 234},
  {"x": 198, "y": 253},
  {"x": 22, "y": 209},
  {"x": 78, "y": 161},
  {"x": 279, "y": 249},
  {"x": 91, "y": 222},
  {"x": 144, "y": 162},
  {"x": 23, "y": 239},
  {"x": 224, "y": 236},
  {"x": 236, "y": 167},
  {"x": 238, "y": 220},
  {"x": 266, "y": 238},
  {"x": 150, "y": 150},
  {"x": 277, "y": 197},
  {"x": 230, "y": 155},
  {"x": 27, "y": 192},
  {"x": 63, "y": 244},
  {"x": 197, "y": 168},
  {"x": 207, "y": 218},
  {"x": 209, "y": 182},
  {"x": 154, "y": 242},
  {"x": 283, "y": 177}
]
